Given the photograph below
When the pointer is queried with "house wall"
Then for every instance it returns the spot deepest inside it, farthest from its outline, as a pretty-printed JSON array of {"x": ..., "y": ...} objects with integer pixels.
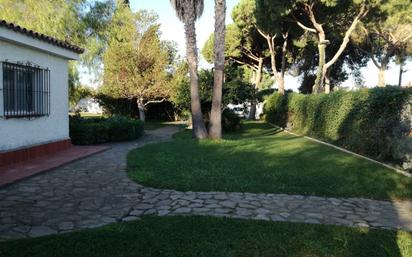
[{"x": 16, "y": 133}]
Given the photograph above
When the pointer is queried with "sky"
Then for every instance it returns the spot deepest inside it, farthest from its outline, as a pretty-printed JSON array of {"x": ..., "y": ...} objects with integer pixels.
[{"x": 172, "y": 29}]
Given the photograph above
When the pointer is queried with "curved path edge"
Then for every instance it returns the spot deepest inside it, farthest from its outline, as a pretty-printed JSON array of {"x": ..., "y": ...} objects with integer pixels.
[{"x": 96, "y": 191}]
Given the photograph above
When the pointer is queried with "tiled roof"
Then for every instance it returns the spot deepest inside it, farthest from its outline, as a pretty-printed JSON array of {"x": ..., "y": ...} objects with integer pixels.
[{"x": 42, "y": 37}]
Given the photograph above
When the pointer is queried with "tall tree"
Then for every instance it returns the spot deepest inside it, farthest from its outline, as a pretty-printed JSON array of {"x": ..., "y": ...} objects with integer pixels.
[
  {"x": 272, "y": 22},
  {"x": 215, "y": 130},
  {"x": 387, "y": 35},
  {"x": 243, "y": 49},
  {"x": 136, "y": 60},
  {"x": 249, "y": 47},
  {"x": 342, "y": 16},
  {"x": 188, "y": 11}
]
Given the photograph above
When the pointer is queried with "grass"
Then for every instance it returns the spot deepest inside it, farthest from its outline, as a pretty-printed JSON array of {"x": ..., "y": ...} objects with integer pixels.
[
  {"x": 261, "y": 159},
  {"x": 215, "y": 237},
  {"x": 156, "y": 124}
]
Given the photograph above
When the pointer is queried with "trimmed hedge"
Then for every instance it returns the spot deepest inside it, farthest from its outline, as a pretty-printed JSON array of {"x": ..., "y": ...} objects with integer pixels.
[
  {"x": 98, "y": 131},
  {"x": 374, "y": 122}
]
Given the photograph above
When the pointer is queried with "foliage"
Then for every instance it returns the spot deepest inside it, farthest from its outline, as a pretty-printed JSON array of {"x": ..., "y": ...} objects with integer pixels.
[
  {"x": 128, "y": 108},
  {"x": 230, "y": 121},
  {"x": 65, "y": 20},
  {"x": 118, "y": 106},
  {"x": 56, "y": 18},
  {"x": 235, "y": 88},
  {"x": 76, "y": 93},
  {"x": 243, "y": 44},
  {"x": 262, "y": 94},
  {"x": 96, "y": 22},
  {"x": 333, "y": 23},
  {"x": 386, "y": 35},
  {"x": 180, "y": 87},
  {"x": 262, "y": 159},
  {"x": 101, "y": 130},
  {"x": 80, "y": 22},
  {"x": 136, "y": 59},
  {"x": 367, "y": 121}
]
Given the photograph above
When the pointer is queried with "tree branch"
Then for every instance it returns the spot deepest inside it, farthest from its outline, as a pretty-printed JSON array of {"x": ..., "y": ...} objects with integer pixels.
[
  {"x": 249, "y": 54},
  {"x": 304, "y": 27},
  {"x": 284, "y": 49},
  {"x": 252, "y": 66},
  {"x": 348, "y": 33},
  {"x": 311, "y": 14},
  {"x": 154, "y": 102}
]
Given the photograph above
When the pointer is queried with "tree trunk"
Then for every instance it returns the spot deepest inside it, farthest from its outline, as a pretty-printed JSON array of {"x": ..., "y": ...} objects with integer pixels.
[
  {"x": 323, "y": 67},
  {"x": 278, "y": 76},
  {"x": 258, "y": 79},
  {"x": 199, "y": 129},
  {"x": 140, "y": 106},
  {"x": 400, "y": 73},
  {"x": 252, "y": 111},
  {"x": 283, "y": 67},
  {"x": 259, "y": 71},
  {"x": 327, "y": 82},
  {"x": 382, "y": 69},
  {"x": 320, "y": 72},
  {"x": 215, "y": 130},
  {"x": 381, "y": 78}
]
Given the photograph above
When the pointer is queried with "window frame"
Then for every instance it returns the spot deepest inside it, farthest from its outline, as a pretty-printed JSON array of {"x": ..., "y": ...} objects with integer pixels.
[{"x": 25, "y": 91}]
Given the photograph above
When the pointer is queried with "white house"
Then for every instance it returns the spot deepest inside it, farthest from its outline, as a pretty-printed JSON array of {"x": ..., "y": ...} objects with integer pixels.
[{"x": 33, "y": 93}]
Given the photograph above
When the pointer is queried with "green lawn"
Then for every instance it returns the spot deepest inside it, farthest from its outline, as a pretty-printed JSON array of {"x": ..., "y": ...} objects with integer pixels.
[
  {"x": 155, "y": 124},
  {"x": 215, "y": 237},
  {"x": 261, "y": 159}
]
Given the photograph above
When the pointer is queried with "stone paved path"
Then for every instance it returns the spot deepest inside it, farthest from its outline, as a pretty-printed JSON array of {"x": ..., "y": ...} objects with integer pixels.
[{"x": 96, "y": 191}]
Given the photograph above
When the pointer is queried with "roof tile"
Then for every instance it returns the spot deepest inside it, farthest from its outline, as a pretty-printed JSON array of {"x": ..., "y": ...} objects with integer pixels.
[{"x": 40, "y": 36}]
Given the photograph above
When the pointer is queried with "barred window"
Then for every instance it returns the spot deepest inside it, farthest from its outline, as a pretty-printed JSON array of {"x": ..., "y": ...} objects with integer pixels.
[{"x": 26, "y": 91}]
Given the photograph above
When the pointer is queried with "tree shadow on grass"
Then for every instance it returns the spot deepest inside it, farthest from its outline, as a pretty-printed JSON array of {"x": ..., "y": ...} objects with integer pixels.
[
  {"x": 211, "y": 237},
  {"x": 268, "y": 161},
  {"x": 267, "y": 164}
]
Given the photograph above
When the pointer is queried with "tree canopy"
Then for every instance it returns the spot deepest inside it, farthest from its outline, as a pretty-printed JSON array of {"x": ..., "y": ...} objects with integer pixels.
[{"x": 136, "y": 60}]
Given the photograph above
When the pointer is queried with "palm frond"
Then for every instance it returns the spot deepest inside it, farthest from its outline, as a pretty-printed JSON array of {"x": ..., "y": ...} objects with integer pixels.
[{"x": 184, "y": 8}]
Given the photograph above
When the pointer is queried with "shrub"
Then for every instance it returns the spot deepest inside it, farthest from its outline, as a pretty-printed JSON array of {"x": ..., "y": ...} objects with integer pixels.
[
  {"x": 100, "y": 130},
  {"x": 367, "y": 121},
  {"x": 230, "y": 121},
  {"x": 82, "y": 133},
  {"x": 101, "y": 133},
  {"x": 120, "y": 129},
  {"x": 138, "y": 126}
]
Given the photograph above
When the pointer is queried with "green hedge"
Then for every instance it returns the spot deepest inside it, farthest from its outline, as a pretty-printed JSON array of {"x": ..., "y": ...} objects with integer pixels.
[
  {"x": 371, "y": 122},
  {"x": 98, "y": 131}
]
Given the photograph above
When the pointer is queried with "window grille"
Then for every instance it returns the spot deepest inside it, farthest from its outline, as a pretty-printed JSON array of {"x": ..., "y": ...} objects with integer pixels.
[{"x": 26, "y": 91}]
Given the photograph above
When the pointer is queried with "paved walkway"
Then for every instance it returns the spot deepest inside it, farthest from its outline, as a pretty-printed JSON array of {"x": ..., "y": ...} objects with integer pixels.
[
  {"x": 14, "y": 172},
  {"x": 96, "y": 191}
]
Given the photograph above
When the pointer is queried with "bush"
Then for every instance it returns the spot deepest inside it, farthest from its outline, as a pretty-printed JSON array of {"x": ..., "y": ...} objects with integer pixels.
[
  {"x": 368, "y": 121},
  {"x": 230, "y": 121},
  {"x": 82, "y": 133},
  {"x": 100, "y": 130},
  {"x": 120, "y": 129},
  {"x": 138, "y": 126},
  {"x": 101, "y": 133}
]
